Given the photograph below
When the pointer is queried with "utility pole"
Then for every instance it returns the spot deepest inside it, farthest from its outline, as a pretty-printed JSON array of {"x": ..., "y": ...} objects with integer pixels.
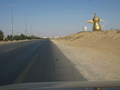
[
  {"x": 26, "y": 26},
  {"x": 12, "y": 19}
]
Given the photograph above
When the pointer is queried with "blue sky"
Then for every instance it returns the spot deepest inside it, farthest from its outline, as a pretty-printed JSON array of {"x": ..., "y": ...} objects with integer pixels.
[{"x": 56, "y": 17}]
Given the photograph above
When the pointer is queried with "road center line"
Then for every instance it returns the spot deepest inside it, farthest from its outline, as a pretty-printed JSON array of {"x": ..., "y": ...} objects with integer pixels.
[{"x": 25, "y": 71}]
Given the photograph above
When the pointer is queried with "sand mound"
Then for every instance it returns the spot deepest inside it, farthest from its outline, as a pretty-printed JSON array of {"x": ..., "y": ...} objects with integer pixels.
[
  {"x": 95, "y": 54},
  {"x": 99, "y": 40}
]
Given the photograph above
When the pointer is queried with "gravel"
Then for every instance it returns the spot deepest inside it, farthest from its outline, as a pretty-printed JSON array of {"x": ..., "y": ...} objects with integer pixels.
[{"x": 94, "y": 65}]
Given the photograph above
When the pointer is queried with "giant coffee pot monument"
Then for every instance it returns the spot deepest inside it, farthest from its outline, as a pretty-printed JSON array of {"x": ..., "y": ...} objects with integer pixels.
[{"x": 95, "y": 21}]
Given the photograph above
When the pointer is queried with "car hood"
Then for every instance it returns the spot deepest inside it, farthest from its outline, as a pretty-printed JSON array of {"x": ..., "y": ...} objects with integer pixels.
[{"x": 62, "y": 85}]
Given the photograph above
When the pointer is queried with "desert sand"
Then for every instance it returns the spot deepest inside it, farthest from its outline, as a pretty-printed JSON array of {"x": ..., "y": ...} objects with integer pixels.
[{"x": 96, "y": 54}]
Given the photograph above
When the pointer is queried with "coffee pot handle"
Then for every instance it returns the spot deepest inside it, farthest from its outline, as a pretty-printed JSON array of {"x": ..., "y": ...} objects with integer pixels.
[{"x": 103, "y": 23}]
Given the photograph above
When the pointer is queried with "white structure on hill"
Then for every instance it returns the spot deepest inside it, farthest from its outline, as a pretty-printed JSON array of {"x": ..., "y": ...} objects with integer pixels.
[{"x": 84, "y": 28}]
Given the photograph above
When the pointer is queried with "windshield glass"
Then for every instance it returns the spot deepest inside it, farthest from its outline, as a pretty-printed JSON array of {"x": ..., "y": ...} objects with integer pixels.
[{"x": 59, "y": 40}]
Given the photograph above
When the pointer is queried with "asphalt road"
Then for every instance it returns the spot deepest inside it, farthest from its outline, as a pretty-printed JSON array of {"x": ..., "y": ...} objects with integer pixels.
[{"x": 35, "y": 61}]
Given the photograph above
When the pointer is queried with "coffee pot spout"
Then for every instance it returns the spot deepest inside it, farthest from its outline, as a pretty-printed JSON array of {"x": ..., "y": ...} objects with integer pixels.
[{"x": 90, "y": 21}]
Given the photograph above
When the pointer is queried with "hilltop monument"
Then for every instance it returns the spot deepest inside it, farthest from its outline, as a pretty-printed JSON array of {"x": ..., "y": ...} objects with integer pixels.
[{"x": 95, "y": 21}]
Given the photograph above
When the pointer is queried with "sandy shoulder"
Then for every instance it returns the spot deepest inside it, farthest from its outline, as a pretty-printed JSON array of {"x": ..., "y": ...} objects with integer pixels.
[{"x": 94, "y": 63}]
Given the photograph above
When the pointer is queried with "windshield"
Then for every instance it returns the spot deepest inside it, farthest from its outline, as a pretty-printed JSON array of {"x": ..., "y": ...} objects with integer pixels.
[{"x": 59, "y": 40}]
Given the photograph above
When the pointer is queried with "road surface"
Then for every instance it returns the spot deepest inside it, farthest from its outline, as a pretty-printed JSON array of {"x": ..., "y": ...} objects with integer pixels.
[{"x": 35, "y": 61}]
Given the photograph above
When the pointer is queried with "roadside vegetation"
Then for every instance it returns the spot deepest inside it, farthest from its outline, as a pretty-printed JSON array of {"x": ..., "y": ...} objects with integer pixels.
[
  {"x": 17, "y": 37},
  {"x": 22, "y": 37},
  {"x": 1, "y": 35}
]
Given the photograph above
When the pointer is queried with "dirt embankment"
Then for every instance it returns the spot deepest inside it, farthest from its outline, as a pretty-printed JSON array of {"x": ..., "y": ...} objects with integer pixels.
[{"x": 95, "y": 54}]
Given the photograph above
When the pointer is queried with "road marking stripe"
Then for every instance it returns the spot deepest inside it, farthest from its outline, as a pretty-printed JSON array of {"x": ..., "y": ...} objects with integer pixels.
[{"x": 25, "y": 71}]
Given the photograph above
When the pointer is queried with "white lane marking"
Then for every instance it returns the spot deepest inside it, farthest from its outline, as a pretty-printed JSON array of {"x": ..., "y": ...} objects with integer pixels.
[{"x": 8, "y": 50}]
